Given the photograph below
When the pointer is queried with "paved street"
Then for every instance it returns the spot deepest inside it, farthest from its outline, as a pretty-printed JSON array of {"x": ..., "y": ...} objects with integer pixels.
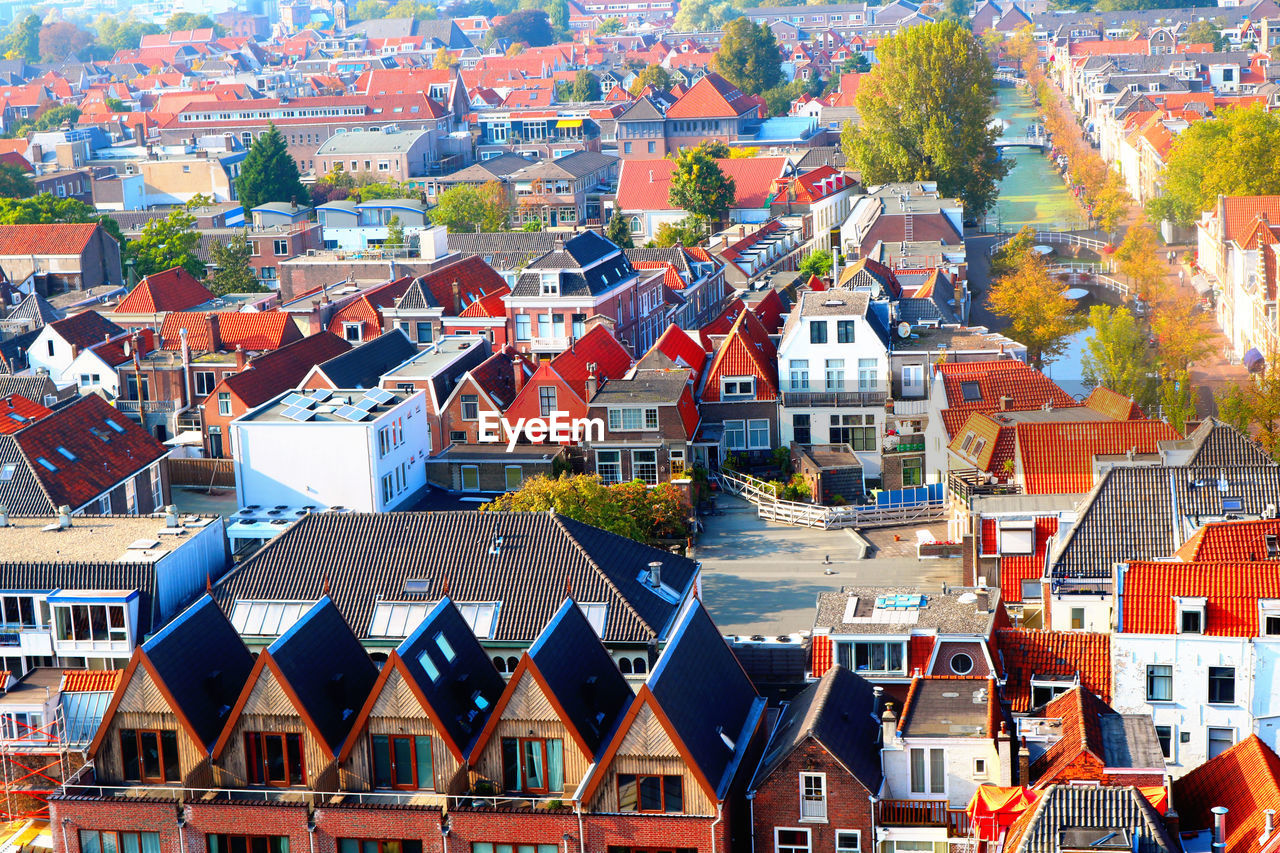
[{"x": 759, "y": 577}]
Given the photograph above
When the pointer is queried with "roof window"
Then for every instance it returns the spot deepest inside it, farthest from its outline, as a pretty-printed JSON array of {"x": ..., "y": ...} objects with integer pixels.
[
  {"x": 970, "y": 391},
  {"x": 45, "y": 463}
]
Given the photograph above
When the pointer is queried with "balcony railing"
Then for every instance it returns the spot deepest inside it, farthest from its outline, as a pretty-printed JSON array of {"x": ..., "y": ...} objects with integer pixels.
[
  {"x": 968, "y": 482},
  {"x": 832, "y": 399},
  {"x": 139, "y": 406},
  {"x": 923, "y": 813},
  {"x": 813, "y": 809},
  {"x": 553, "y": 344}
]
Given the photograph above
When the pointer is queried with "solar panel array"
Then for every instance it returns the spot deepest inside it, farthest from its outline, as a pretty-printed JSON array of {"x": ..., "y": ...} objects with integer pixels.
[{"x": 299, "y": 407}]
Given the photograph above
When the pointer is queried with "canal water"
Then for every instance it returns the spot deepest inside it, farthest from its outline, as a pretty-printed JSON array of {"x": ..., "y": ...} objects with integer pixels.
[{"x": 1033, "y": 193}]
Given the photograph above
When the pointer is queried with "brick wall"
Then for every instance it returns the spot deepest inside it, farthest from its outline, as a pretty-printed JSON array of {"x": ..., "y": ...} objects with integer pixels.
[{"x": 777, "y": 801}]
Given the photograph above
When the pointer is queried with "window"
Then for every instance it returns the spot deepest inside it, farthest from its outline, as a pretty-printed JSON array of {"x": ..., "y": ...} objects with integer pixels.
[
  {"x": 609, "y": 465},
  {"x": 1191, "y": 621},
  {"x": 868, "y": 374},
  {"x": 1165, "y": 736},
  {"x": 1159, "y": 683},
  {"x": 458, "y": 436},
  {"x": 857, "y": 431},
  {"x": 791, "y": 840},
  {"x": 844, "y": 331},
  {"x": 470, "y": 407},
  {"x": 546, "y": 400},
  {"x": 848, "y": 841},
  {"x": 471, "y": 478},
  {"x": 272, "y": 758},
  {"x": 835, "y": 374},
  {"x": 1272, "y": 623},
  {"x": 402, "y": 761},
  {"x": 93, "y": 841},
  {"x": 913, "y": 380},
  {"x": 633, "y": 419},
  {"x": 928, "y": 771},
  {"x": 735, "y": 435},
  {"x": 205, "y": 381},
  {"x": 82, "y": 623},
  {"x": 961, "y": 663},
  {"x": 799, "y": 368},
  {"x": 813, "y": 796},
  {"x": 626, "y": 149},
  {"x": 738, "y": 386},
  {"x": 817, "y": 331},
  {"x": 872, "y": 656},
  {"x": 970, "y": 391},
  {"x": 423, "y": 332},
  {"x": 150, "y": 756},
  {"x": 512, "y": 477},
  {"x": 913, "y": 471},
  {"x": 758, "y": 434},
  {"x": 224, "y": 403},
  {"x": 1220, "y": 740},
  {"x": 533, "y": 765},
  {"x": 1222, "y": 685},
  {"x": 1077, "y": 618},
  {"x": 644, "y": 466},
  {"x": 650, "y": 793},
  {"x": 247, "y": 843},
  {"x": 353, "y": 845},
  {"x": 800, "y": 429},
  {"x": 524, "y": 327},
  {"x": 652, "y": 147},
  {"x": 979, "y": 767},
  {"x": 281, "y": 248}
]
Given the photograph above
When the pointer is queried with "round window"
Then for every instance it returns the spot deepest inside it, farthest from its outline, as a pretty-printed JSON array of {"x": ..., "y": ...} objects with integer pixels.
[{"x": 961, "y": 663}]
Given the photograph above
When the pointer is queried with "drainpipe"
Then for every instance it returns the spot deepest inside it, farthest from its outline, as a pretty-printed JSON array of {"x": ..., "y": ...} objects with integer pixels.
[
  {"x": 182, "y": 845},
  {"x": 582, "y": 833},
  {"x": 751, "y": 806},
  {"x": 715, "y": 823},
  {"x": 67, "y": 820},
  {"x": 311, "y": 831},
  {"x": 444, "y": 837}
]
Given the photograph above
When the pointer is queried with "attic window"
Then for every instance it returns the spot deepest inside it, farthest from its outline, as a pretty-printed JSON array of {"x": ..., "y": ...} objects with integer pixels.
[
  {"x": 1190, "y": 615},
  {"x": 1273, "y": 546},
  {"x": 967, "y": 443},
  {"x": 971, "y": 392},
  {"x": 595, "y": 614},
  {"x": 115, "y": 426},
  {"x": 46, "y": 463},
  {"x": 445, "y": 649},
  {"x": 977, "y": 448},
  {"x": 14, "y": 416},
  {"x": 425, "y": 661},
  {"x": 1232, "y": 504},
  {"x": 7, "y": 471},
  {"x": 67, "y": 453}
]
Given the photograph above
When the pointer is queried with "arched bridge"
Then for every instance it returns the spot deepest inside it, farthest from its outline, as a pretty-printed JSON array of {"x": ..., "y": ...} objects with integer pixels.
[{"x": 1040, "y": 142}]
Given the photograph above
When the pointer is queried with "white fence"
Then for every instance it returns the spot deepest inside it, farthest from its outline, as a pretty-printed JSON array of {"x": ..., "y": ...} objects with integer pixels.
[{"x": 772, "y": 508}]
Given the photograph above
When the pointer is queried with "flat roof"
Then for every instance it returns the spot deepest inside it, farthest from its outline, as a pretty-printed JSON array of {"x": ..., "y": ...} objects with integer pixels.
[
  {"x": 366, "y": 142},
  {"x": 359, "y": 406},
  {"x": 429, "y": 362},
  {"x": 903, "y": 611},
  {"x": 94, "y": 538},
  {"x": 34, "y": 688}
]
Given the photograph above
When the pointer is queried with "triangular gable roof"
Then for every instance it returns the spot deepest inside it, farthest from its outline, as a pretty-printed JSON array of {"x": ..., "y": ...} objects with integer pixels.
[
  {"x": 680, "y": 349},
  {"x": 746, "y": 351},
  {"x": 527, "y": 404},
  {"x": 599, "y": 347},
  {"x": 175, "y": 289},
  {"x": 1245, "y": 780}
]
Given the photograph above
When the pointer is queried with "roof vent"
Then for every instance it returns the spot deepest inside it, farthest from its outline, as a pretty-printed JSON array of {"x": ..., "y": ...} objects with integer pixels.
[
  {"x": 496, "y": 547},
  {"x": 64, "y": 517},
  {"x": 655, "y": 575},
  {"x": 728, "y": 741}
]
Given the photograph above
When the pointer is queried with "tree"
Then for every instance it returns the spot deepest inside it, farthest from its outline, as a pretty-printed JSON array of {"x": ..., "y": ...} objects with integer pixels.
[
  {"x": 1180, "y": 328},
  {"x": 1138, "y": 261},
  {"x": 444, "y": 60},
  {"x": 50, "y": 119},
  {"x": 779, "y": 98},
  {"x": 633, "y": 510},
  {"x": 47, "y": 208},
  {"x": 1177, "y": 401},
  {"x": 586, "y": 87},
  {"x": 115, "y": 34},
  {"x": 1253, "y": 407},
  {"x": 14, "y": 182},
  {"x": 192, "y": 21},
  {"x": 23, "y": 40},
  {"x": 1205, "y": 32},
  {"x": 705, "y": 15},
  {"x": 412, "y": 9},
  {"x": 609, "y": 26},
  {"x": 1021, "y": 47},
  {"x": 229, "y": 267},
  {"x": 1118, "y": 356},
  {"x": 1039, "y": 315},
  {"x": 166, "y": 243},
  {"x": 395, "y": 233},
  {"x": 527, "y": 25},
  {"x": 198, "y": 201},
  {"x": 655, "y": 76},
  {"x": 366, "y": 187},
  {"x": 689, "y": 231},
  {"x": 926, "y": 109},
  {"x": 749, "y": 56},
  {"x": 465, "y": 208},
  {"x": 818, "y": 263},
  {"x": 619, "y": 232},
  {"x": 370, "y": 10},
  {"x": 1112, "y": 203},
  {"x": 1008, "y": 256},
  {"x": 62, "y": 39},
  {"x": 700, "y": 187},
  {"x": 268, "y": 173},
  {"x": 1232, "y": 155},
  {"x": 955, "y": 10}
]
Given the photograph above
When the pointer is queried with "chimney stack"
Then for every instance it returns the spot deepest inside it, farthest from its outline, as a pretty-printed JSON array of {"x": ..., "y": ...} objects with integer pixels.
[
  {"x": 655, "y": 575},
  {"x": 888, "y": 725},
  {"x": 457, "y": 295},
  {"x": 517, "y": 367},
  {"x": 593, "y": 384},
  {"x": 242, "y": 359},
  {"x": 1219, "y": 829},
  {"x": 1006, "y": 403},
  {"x": 1024, "y": 762},
  {"x": 215, "y": 332}
]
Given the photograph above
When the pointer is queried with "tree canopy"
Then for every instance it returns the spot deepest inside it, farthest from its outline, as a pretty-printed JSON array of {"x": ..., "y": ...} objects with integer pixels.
[
  {"x": 618, "y": 231},
  {"x": 586, "y": 87},
  {"x": 193, "y": 21},
  {"x": 609, "y": 26},
  {"x": 229, "y": 269},
  {"x": 1118, "y": 356},
  {"x": 700, "y": 187},
  {"x": 47, "y": 208},
  {"x": 61, "y": 39},
  {"x": 464, "y": 208},
  {"x": 166, "y": 243},
  {"x": 23, "y": 39},
  {"x": 705, "y": 15},
  {"x": 14, "y": 182},
  {"x": 116, "y": 34},
  {"x": 634, "y": 510},
  {"x": 531, "y": 26},
  {"x": 926, "y": 109},
  {"x": 1039, "y": 315},
  {"x": 269, "y": 173},
  {"x": 655, "y": 76},
  {"x": 749, "y": 56},
  {"x": 1254, "y": 407},
  {"x": 1235, "y": 154}
]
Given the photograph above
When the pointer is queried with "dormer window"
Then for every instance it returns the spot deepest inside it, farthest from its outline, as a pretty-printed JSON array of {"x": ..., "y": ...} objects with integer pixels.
[
  {"x": 550, "y": 284},
  {"x": 1190, "y": 615},
  {"x": 737, "y": 387}
]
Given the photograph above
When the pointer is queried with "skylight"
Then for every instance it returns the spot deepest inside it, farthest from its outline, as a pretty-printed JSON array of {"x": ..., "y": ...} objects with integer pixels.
[
  {"x": 14, "y": 416},
  {"x": 67, "y": 453},
  {"x": 7, "y": 471},
  {"x": 115, "y": 426},
  {"x": 425, "y": 661},
  {"x": 46, "y": 463},
  {"x": 970, "y": 391},
  {"x": 445, "y": 648}
]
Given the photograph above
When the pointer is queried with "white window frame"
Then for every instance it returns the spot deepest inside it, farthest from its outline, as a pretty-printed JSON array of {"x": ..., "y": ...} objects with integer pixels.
[
  {"x": 735, "y": 429},
  {"x": 614, "y": 464},
  {"x": 810, "y": 815},
  {"x": 733, "y": 387},
  {"x": 980, "y": 767},
  {"x": 357, "y": 328},
  {"x": 808, "y": 835},
  {"x": 845, "y": 848},
  {"x": 636, "y": 463},
  {"x": 753, "y": 426}
]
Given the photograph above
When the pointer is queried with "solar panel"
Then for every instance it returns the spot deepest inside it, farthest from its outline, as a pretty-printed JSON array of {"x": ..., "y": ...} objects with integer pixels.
[
  {"x": 296, "y": 399},
  {"x": 321, "y": 394},
  {"x": 366, "y": 404},
  {"x": 298, "y": 413},
  {"x": 379, "y": 395},
  {"x": 351, "y": 413}
]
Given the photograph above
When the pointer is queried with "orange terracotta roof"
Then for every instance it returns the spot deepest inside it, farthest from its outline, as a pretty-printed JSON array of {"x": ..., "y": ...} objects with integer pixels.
[
  {"x": 1057, "y": 458},
  {"x": 599, "y": 347},
  {"x": 59, "y": 238},
  {"x": 1230, "y": 541},
  {"x": 1081, "y": 738},
  {"x": 646, "y": 184},
  {"x": 281, "y": 369},
  {"x": 255, "y": 332},
  {"x": 1245, "y": 780},
  {"x": 676, "y": 344},
  {"x": 1053, "y": 655},
  {"x": 1232, "y": 591},
  {"x": 985, "y": 443},
  {"x": 1016, "y": 568},
  {"x": 16, "y": 412},
  {"x": 489, "y": 305},
  {"x": 172, "y": 290},
  {"x": 1114, "y": 405},
  {"x": 711, "y": 97},
  {"x": 919, "y": 650},
  {"x": 746, "y": 351},
  {"x": 1241, "y": 212},
  {"x": 90, "y": 680}
]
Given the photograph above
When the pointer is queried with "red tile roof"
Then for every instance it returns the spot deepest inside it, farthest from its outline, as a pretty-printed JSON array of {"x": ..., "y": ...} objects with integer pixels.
[
  {"x": 676, "y": 344},
  {"x": 85, "y": 329},
  {"x": 17, "y": 412},
  {"x": 254, "y": 331},
  {"x": 919, "y": 650},
  {"x": 496, "y": 375},
  {"x": 1015, "y": 568},
  {"x": 1057, "y": 458},
  {"x": 598, "y": 347},
  {"x": 1230, "y": 541},
  {"x": 722, "y": 324},
  {"x": 1062, "y": 655},
  {"x": 1114, "y": 405},
  {"x": 456, "y": 285},
  {"x": 1241, "y": 212},
  {"x": 646, "y": 184},
  {"x": 1232, "y": 591},
  {"x": 58, "y": 238},
  {"x": 986, "y": 444},
  {"x": 771, "y": 310},
  {"x": 746, "y": 351},
  {"x": 172, "y": 290},
  {"x": 366, "y": 308},
  {"x": 528, "y": 403},
  {"x": 1026, "y": 388},
  {"x": 281, "y": 369},
  {"x": 1081, "y": 738},
  {"x": 90, "y": 680},
  {"x": 489, "y": 305},
  {"x": 1245, "y": 780},
  {"x": 820, "y": 650},
  {"x": 711, "y": 97}
]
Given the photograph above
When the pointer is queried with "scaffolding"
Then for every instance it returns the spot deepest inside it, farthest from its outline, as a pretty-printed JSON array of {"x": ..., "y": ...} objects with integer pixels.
[{"x": 35, "y": 761}]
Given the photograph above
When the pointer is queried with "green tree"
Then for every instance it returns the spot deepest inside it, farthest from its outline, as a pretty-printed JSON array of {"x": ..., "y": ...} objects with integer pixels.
[
  {"x": 689, "y": 231},
  {"x": 700, "y": 187},
  {"x": 609, "y": 26},
  {"x": 586, "y": 87},
  {"x": 115, "y": 34},
  {"x": 955, "y": 10},
  {"x": 395, "y": 232},
  {"x": 1040, "y": 317},
  {"x": 23, "y": 40},
  {"x": 618, "y": 231},
  {"x": 558, "y": 17},
  {"x": 412, "y": 9},
  {"x": 1008, "y": 256},
  {"x": 198, "y": 201},
  {"x": 1232, "y": 155},
  {"x": 749, "y": 56},
  {"x": 527, "y": 25},
  {"x": 926, "y": 109},
  {"x": 192, "y": 21},
  {"x": 705, "y": 15},
  {"x": 268, "y": 173},
  {"x": 14, "y": 182},
  {"x": 1177, "y": 401},
  {"x": 818, "y": 263},
  {"x": 229, "y": 269},
  {"x": 655, "y": 76},
  {"x": 166, "y": 243},
  {"x": 1205, "y": 32},
  {"x": 1118, "y": 356},
  {"x": 366, "y": 188},
  {"x": 779, "y": 98},
  {"x": 371, "y": 10},
  {"x": 532, "y": 225},
  {"x": 633, "y": 510},
  {"x": 464, "y": 208},
  {"x": 1253, "y": 407},
  {"x": 47, "y": 208}
]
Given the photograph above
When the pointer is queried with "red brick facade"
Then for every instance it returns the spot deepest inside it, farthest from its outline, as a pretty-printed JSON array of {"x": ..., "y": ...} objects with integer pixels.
[{"x": 777, "y": 801}]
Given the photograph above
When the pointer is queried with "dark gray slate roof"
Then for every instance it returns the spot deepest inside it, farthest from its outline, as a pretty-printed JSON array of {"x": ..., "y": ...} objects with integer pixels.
[
  {"x": 54, "y": 575},
  {"x": 35, "y": 307},
  {"x": 365, "y": 557},
  {"x": 416, "y": 298},
  {"x": 363, "y": 366},
  {"x": 841, "y": 713},
  {"x": 32, "y": 387},
  {"x": 203, "y": 664},
  {"x": 585, "y": 267},
  {"x": 1085, "y": 814},
  {"x": 643, "y": 109},
  {"x": 504, "y": 250},
  {"x": 672, "y": 255},
  {"x": 1218, "y": 444},
  {"x": 644, "y": 386}
]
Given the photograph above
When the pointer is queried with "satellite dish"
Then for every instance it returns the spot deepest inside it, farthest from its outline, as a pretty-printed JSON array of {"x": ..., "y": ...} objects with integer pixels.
[{"x": 904, "y": 329}]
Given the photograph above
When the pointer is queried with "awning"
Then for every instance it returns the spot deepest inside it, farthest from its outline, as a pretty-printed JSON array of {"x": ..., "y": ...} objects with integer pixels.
[
  {"x": 994, "y": 809},
  {"x": 1158, "y": 796},
  {"x": 1201, "y": 284},
  {"x": 187, "y": 438},
  {"x": 1254, "y": 360},
  {"x": 569, "y": 122}
]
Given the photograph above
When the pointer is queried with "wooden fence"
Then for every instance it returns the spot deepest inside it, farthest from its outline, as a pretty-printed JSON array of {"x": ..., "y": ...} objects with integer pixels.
[{"x": 205, "y": 473}]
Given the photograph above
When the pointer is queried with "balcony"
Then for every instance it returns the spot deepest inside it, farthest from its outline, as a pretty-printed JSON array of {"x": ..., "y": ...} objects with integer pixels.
[
  {"x": 142, "y": 406},
  {"x": 541, "y": 344},
  {"x": 968, "y": 482},
  {"x": 832, "y": 399},
  {"x": 923, "y": 813}
]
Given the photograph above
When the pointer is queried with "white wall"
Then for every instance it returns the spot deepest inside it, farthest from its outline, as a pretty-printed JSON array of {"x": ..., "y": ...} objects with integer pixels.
[
  {"x": 57, "y": 363},
  {"x": 960, "y": 753},
  {"x": 1097, "y": 612}
]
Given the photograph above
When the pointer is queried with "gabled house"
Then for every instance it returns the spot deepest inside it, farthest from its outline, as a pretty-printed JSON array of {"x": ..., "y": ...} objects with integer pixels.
[
  {"x": 1040, "y": 665},
  {"x": 485, "y": 391},
  {"x": 740, "y": 389},
  {"x": 463, "y": 294},
  {"x": 1088, "y": 816},
  {"x": 61, "y": 256},
  {"x": 650, "y": 420},
  {"x": 157, "y": 294},
  {"x": 425, "y": 713},
  {"x": 564, "y": 383},
  {"x": 361, "y": 366},
  {"x": 1244, "y": 781},
  {"x": 297, "y": 706},
  {"x": 361, "y": 319},
  {"x": 59, "y": 342},
  {"x": 436, "y": 371},
  {"x": 1082, "y": 740}
]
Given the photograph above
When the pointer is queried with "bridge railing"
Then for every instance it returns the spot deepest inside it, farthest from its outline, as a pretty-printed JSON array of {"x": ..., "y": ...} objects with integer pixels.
[
  {"x": 1060, "y": 237},
  {"x": 772, "y": 508}
]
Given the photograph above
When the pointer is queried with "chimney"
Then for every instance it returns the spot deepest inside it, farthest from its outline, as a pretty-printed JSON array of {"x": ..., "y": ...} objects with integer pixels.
[
  {"x": 593, "y": 384},
  {"x": 1219, "y": 829},
  {"x": 1172, "y": 824},
  {"x": 517, "y": 367},
  {"x": 171, "y": 516},
  {"x": 1006, "y": 403},
  {"x": 64, "y": 522},
  {"x": 215, "y": 333},
  {"x": 241, "y": 358},
  {"x": 888, "y": 725},
  {"x": 1269, "y": 814},
  {"x": 75, "y": 349},
  {"x": 457, "y": 295},
  {"x": 4, "y": 516},
  {"x": 1024, "y": 763},
  {"x": 655, "y": 575}
]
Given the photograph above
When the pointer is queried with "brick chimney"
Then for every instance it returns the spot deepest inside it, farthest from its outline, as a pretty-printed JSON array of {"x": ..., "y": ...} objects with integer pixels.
[
  {"x": 457, "y": 295},
  {"x": 215, "y": 332},
  {"x": 593, "y": 384},
  {"x": 1024, "y": 763},
  {"x": 1172, "y": 823},
  {"x": 889, "y": 725},
  {"x": 146, "y": 341},
  {"x": 242, "y": 358},
  {"x": 517, "y": 368}
]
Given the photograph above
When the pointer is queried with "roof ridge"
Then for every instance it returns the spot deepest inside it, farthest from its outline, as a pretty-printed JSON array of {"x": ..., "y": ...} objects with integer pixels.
[{"x": 626, "y": 603}]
